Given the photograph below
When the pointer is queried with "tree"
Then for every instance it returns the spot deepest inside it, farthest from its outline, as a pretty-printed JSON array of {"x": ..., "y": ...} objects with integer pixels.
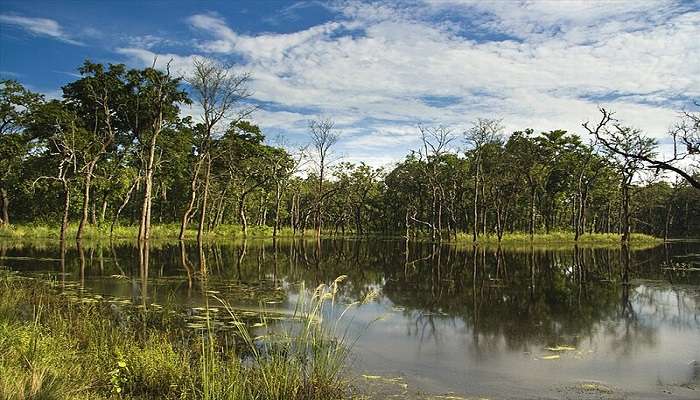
[
  {"x": 16, "y": 104},
  {"x": 153, "y": 106},
  {"x": 98, "y": 98},
  {"x": 246, "y": 161},
  {"x": 483, "y": 131},
  {"x": 527, "y": 158},
  {"x": 62, "y": 135},
  {"x": 685, "y": 135},
  {"x": 435, "y": 144},
  {"x": 628, "y": 149},
  {"x": 323, "y": 138},
  {"x": 220, "y": 93}
]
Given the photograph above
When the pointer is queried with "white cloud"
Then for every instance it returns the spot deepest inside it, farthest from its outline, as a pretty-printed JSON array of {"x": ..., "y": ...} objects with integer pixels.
[
  {"x": 150, "y": 41},
  {"x": 180, "y": 66},
  {"x": 39, "y": 26},
  {"x": 372, "y": 69}
]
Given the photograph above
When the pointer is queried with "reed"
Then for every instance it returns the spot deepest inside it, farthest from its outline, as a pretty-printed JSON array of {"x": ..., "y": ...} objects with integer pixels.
[
  {"x": 58, "y": 348},
  {"x": 158, "y": 231},
  {"x": 556, "y": 238}
]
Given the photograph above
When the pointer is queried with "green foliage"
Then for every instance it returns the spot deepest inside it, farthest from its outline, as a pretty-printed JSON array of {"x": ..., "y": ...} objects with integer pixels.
[{"x": 115, "y": 127}]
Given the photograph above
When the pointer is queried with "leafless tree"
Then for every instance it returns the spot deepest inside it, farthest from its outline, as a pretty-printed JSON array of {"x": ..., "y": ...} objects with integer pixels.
[
  {"x": 685, "y": 134},
  {"x": 221, "y": 92},
  {"x": 629, "y": 149},
  {"x": 64, "y": 145},
  {"x": 323, "y": 138},
  {"x": 483, "y": 131},
  {"x": 436, "y": 142}
]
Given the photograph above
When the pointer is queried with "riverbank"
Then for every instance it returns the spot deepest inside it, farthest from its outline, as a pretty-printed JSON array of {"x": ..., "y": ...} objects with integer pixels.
[
  {"x": 59, "y": 346},
  {"x": 233, "y": 232},
  {"x": 158, "y": 232},
  {"x": 555, "y": 238}
]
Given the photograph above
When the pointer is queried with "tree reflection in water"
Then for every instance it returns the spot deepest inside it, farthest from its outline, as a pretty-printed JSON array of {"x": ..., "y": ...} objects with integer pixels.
[{"x": 496, "y": 299}]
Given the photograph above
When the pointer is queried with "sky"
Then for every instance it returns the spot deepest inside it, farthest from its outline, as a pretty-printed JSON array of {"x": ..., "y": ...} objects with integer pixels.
[{"x": 380, "y": 69}]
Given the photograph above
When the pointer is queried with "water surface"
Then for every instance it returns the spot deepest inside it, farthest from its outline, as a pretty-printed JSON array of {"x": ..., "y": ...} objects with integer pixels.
[{"x": 524, "y": 322}]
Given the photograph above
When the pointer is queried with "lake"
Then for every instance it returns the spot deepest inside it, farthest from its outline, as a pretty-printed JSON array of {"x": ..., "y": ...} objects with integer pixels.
[{"x": 447, "y": 320}]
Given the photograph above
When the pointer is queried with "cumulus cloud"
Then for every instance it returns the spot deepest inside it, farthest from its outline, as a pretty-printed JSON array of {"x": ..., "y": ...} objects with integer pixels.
[
  {"x": 39, "y": 26},
  {"x": 380, "y": 69}
]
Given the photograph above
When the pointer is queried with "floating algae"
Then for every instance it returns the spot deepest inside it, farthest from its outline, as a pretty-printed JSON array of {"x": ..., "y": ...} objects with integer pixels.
[{"x": 561, "y": 348}]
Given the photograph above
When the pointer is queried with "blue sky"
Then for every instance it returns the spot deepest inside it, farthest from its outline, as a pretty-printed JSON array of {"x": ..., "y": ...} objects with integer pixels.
[{"x": 381, "y": 68}]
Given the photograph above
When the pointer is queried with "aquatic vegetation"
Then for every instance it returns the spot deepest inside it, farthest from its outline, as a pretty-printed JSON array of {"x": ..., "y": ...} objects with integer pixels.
[
  {"x": 564, "y": 237},
  {"x": 234, "y": 232},
  {"x": 59, "y": 347},
  {"x": 159, "y": 231}
]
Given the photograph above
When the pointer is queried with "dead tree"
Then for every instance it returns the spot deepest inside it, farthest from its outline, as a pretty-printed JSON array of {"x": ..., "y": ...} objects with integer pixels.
[
  {"x": 323, "y": 138},
  {"x": 220, "y": 91}
]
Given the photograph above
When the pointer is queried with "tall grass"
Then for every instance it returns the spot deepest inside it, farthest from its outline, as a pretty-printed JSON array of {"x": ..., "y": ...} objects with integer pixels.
[
  {"x": 517, "y": 238},
  {"x": 303, "y": 360},
  {"x": 56, "y": 348},
  {"x": 158, "y": 231}
]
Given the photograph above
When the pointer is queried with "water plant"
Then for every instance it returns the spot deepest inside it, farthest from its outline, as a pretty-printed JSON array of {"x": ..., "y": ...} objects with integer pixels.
[{"x": 57, "y": 347}]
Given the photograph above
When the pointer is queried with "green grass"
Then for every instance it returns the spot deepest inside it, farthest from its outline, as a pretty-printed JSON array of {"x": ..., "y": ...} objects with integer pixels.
[
  {"x": 234, "y": 232},
  {"x": 561, "y": 237},
  {"x": 55, "y": 347},
  {"x": 159, "y": 231}
]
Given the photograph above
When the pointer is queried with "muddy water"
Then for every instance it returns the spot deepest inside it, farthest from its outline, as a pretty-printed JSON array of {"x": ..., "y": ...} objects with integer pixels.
[{"x": 526, "y": 322}]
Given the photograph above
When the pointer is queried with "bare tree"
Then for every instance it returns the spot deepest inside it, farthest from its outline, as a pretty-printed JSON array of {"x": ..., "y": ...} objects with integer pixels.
[
  {"x": 483, "y": 131},
  {"x": 323, "y": 138},
  {"x": 284, "y": 167},
  {"x": 63, "y": 143},
  {"x": 436, "y": 142},
  {"x": 629, "y": 149},
  {"x": 220, "y": 91},
  {"x": 686, "y": 144}
]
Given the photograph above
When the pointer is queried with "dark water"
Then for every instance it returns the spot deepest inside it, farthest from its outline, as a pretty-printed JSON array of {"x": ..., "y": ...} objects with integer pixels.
[{"x": 497, "y": 323}]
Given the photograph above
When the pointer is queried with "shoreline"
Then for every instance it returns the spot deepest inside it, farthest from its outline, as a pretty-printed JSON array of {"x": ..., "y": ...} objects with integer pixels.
[{"x": 170, "y": 232}]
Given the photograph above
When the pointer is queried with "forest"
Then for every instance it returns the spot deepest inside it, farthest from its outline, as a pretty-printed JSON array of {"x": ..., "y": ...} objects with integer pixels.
[{"x": 117, "y": 150}]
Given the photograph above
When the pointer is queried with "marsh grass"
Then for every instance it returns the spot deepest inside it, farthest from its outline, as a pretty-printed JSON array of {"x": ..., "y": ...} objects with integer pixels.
[
  {"x": 158, "y": 231},
  {"x": 303, "y": 360},
  {"x": 562, "y": 238},
  {"x": 57, "y": 348},
  {"x": 170, "y": 232}
]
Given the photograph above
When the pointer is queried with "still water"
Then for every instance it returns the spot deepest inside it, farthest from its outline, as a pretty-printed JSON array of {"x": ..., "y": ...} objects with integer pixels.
[{"x": 525, "y": 322}]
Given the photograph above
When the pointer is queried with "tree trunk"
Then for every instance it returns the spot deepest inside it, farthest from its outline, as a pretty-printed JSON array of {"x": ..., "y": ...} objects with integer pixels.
[
  {"x": 86, "y": 200},
  {"x": 278, "y": 197},
  {"x": 241, "y": 213},
  {"x": 103, "y": 210},
  {"x": 66, "y": 209},
  {"x": 205, "y": 198},
  {"x": 93, "y": 213},
  {"x": 499, "y": 222},
  {"x": 475, "y": 222},
  {"x": 193, "y": 199},
  {"x": 293, "y": 217},
  {"x": 484, "y": 224},
  {"x": 5, "y": 204},
  {"x": 358, "y": 221},
  {"x": 220, "y": 209},
  {"x": 121, "y": 207},
  {"x": 625, "y": 212},
  {"x": 319, "y": 207},
  {"x": 667, "y": 222},
  {"x": 532, "y": 213},
  {"x": 145, "y": 227}
]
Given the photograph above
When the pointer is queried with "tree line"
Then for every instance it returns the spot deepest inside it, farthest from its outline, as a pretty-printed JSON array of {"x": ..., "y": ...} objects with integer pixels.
[{"x": 118, "y": 149}]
